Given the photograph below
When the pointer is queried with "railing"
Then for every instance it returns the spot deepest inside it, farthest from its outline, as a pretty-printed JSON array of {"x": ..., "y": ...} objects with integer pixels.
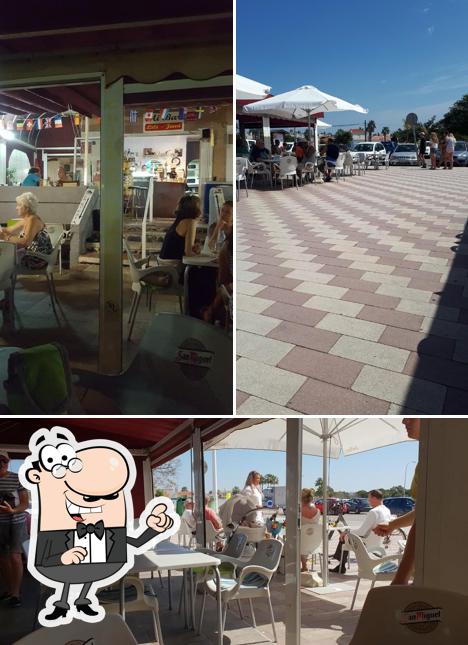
[{"x": 148, "y": 210}]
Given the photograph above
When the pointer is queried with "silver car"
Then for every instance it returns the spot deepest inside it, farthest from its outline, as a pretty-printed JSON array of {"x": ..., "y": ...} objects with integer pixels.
[
  {"x": 405, "y": 154},
  {"x": 371, "y": 150}
]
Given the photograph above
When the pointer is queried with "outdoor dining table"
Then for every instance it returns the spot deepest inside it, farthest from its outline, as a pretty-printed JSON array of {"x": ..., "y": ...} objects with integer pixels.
[{"x": 168, "y": 556}]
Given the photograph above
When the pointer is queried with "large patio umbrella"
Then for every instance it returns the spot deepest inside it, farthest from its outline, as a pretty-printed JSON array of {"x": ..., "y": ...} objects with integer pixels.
[
  {"x": 322, "y": 437},
  {"x": 300, "y": 103},
  {"x": 247, "y": 89}
]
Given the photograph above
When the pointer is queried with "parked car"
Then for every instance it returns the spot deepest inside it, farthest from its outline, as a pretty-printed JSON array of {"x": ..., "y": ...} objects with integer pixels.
[
  {"x": 359, "y": 505},
  {"x": 405, "y": 154},
  {"x": 460, "y": 154},
  {"x": 399, "y": 505},
  {"x": 335, "y": 506},
  {"x": 370, "y": 148}
]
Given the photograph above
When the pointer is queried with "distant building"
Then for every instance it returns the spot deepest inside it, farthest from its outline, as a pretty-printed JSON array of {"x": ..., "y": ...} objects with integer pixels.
[{"x": 358, "y": 134}]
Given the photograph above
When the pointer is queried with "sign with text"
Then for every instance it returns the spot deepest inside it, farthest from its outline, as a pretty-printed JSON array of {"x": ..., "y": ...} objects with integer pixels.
[{"x": 163, "y": 120}]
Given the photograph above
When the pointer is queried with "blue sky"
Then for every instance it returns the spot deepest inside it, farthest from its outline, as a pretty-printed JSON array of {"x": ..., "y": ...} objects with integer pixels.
[
  {"x": 390, "y": 57},
  {"x": 384, "y": 467}
]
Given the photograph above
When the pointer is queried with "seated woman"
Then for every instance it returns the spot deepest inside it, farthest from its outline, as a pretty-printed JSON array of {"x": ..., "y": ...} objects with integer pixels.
[
  {"x": 180, "y": 237},
  {"x": 29, "y": 234}
]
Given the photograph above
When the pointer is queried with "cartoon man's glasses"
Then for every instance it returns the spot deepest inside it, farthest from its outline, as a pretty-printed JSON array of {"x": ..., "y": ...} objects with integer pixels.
[{"x": 59, "y": 459}]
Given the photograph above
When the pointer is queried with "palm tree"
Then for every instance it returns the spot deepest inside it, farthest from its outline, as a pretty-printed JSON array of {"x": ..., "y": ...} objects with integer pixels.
[
  {"x": 385, "y": 131},
  {"x": 371, "y": 128}
]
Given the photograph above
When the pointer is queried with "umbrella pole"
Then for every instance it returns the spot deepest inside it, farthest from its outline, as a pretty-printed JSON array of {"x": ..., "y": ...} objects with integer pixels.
[
  {"x": 308, "y": 120},
  {"x": 326, "y": 442}
]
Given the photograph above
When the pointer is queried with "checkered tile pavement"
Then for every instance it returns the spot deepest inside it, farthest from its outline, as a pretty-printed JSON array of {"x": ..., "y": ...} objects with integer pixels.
[{"x": 352, "y": 296}]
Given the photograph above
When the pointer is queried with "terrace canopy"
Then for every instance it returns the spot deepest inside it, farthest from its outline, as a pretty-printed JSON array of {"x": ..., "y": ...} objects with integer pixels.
[{"x": 248, "y": 89}]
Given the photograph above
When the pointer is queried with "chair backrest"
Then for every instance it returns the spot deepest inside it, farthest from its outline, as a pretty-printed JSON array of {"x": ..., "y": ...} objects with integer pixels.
[
  {"x": 268, "y": 554},
  {"x": 210, "y": 532},
  {"x": 348, "y": 161},
  {"x": 7, "y": 263},
  {"x": 184, "y": 534},
  {"x": 287, "y": 165},
  {"x": 134, "y": 271},
  {"x": 311, "y": 538},
  {"x": 340, "y": 160},
  {"x": 366, "y": 561},
  {"x": 361, "y": 157},
  {"x": 253, "y": 533},
  {"x": 112, "y": 629},
  {"x": 411, "y": 615},
  {"x": 235, "y": 547},
  {"x": 309, "y": 166},
  {"x": 55, "y": 232},
  {"x": 242, "y": 163}
]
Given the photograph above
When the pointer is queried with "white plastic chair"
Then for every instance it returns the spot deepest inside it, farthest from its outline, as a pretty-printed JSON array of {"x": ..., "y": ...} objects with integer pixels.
[
  {"x": 348, "y": 163},
  {"x": 138, "y": 275},
  {"x": 387, "y": 161},
  {"x": 57, "y": 233},
  {"x": 112, "y": 629},
  {"x": 338, "y": 169},
  {"x": 48, "y": 269},
  {"x": 7, "y": 280},
  {"x": 361, "y": 163},
  {"x": 287, "y": 169},
  {"x": 185, "y": 535},
  {"x": 252, "y": 581},
  {"x": 258, "y": 169},
  {"x": 242, "y": 165},
  {"x": 308, "y": 171},
  {"x": 142, "y": 602},
  {"x": 387, "y": 609},
  {"x": 367, "y": 563},
  {"x": 311, "y": 540}
]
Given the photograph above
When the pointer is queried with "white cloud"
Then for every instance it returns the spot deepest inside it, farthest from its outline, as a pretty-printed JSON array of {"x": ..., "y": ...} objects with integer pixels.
[
  {"x": 430, "y": 30},
  {"x": 426, "y": 9}
]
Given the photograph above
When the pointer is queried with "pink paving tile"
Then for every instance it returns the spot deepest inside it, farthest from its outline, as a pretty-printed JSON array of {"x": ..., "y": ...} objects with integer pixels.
[
  {"x": 272, "y": 258},
  {"x": 321, "y": 366},
  {"x": 270, "y": 269},
  {"x": 318, "y": 397},
  {"x": 345, "y": 272},
  {"x": 374, "y": 299},
  {"x": 334, "y": 262},
  {"x": 438, "y": 370},
  {"x": 393, "y": 318},
  {"x": 301, "y": 315},
  {"x": 427, "y": 284},
  {"x": 284, "y": 295},
  {"x": 240, "y": 398},
  {"x": 280, "y": 283},
  {"x": 353, "y": 283},
  {"x": 418, "y": 342},
  {"x": 304, "y": 336}
]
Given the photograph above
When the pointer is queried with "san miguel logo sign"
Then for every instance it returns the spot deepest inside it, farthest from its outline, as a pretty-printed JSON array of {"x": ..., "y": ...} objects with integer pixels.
[
  {"x": 164, "y": 120},
  {"x": 421, "y": 618}
]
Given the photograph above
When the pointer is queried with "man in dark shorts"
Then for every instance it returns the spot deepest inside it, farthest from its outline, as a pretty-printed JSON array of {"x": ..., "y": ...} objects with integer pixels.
[
  {"x": 13, "y": 503},
  {"x": 422, "y": 149}
]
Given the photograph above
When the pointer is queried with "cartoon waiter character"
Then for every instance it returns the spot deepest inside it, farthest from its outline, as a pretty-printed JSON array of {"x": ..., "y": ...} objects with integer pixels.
[{"x": 80, "y": 541}]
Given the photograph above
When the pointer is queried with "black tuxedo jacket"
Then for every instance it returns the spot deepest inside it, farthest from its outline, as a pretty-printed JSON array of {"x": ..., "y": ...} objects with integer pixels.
[{"x": 51, "y": 545}]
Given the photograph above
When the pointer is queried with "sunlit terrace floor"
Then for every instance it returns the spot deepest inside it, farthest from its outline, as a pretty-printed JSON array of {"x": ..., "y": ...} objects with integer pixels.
[{"x": 352, "y": 296}]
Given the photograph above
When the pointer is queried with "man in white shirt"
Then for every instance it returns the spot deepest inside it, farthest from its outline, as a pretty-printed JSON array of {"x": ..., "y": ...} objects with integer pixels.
[{"x": 379, "y": 514}]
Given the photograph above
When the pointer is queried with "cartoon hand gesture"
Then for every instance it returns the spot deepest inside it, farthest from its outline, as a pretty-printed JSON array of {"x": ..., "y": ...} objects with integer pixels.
[
  {"x": 74, "y": 555},
  {"x": 159, "y": 521}
]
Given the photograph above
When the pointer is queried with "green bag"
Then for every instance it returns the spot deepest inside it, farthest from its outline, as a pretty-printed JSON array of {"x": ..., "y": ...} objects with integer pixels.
[{"x": 39, "y": 380}]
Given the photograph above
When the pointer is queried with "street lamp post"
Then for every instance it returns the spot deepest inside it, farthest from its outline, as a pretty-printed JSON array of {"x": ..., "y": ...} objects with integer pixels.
[{"x": 404, "y": 484}]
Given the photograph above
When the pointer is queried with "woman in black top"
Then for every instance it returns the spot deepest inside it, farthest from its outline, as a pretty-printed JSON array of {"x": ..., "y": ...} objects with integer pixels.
[{"x": 180, "y": 237}]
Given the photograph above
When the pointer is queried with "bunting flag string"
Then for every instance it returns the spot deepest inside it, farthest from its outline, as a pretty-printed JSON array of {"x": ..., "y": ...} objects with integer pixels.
[{"x": 38, "y": 123}]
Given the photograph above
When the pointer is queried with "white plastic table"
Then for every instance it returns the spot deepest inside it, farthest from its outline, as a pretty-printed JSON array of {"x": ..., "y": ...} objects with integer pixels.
[
  {"x": 167, "y": 556},
  {"x": 201, "y": 260}
]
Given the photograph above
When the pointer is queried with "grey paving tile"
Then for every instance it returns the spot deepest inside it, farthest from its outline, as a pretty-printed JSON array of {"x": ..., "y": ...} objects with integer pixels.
[
  {"x": 401, "y": 389},
  {"x": 351, "y": 327},
  {"x": 267, "y": 382},
  {"x": 256, "y": 323},
  {"x": 370, "y": 353},
  {"x": 254, "y": 304},
  {"x": 261, "y": 348},
  {"x": 334, "y": 306},
  {"x": 253, "y": 406}
]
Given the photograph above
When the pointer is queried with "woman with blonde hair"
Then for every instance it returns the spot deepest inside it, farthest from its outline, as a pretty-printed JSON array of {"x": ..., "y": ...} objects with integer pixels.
[
  {"x": 253, "y": 492},
  {"x": 29, "y": 233},
  {"x": 310, "y": 514},
  {"x": 434, "y": 148}
]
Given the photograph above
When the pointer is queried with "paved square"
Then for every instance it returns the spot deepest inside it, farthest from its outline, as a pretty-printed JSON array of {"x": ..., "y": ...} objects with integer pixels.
[{"x": 353, "y": 295}]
